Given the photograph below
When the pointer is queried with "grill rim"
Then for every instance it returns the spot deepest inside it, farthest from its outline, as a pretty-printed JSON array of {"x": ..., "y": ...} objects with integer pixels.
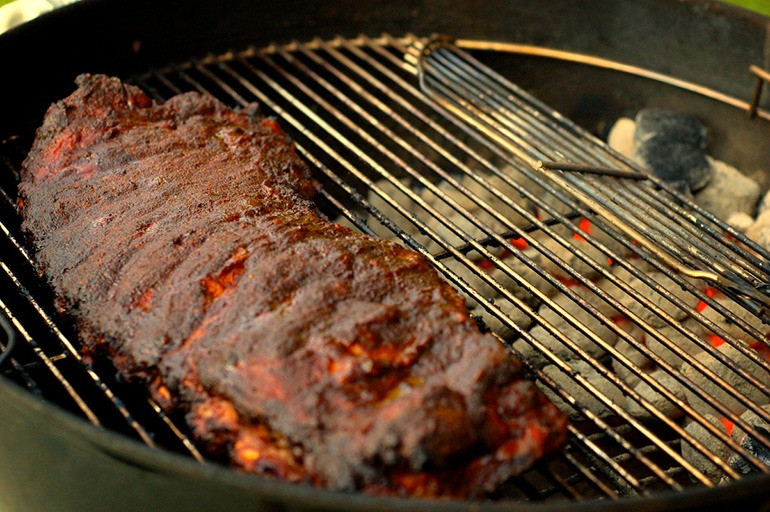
[{"x": 754, "y": 489}]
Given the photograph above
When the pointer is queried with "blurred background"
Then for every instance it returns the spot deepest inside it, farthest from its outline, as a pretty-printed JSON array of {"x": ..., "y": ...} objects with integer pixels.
[
  {"x": 15, "y": 12},
  {"x": 762, "y": 6}
]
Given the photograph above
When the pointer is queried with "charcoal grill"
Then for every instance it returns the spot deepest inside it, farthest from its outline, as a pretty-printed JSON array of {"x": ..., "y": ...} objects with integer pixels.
[{"x": 385, "y": 126}]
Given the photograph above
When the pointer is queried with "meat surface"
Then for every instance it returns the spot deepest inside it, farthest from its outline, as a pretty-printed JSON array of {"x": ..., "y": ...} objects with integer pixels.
[{"x": 183, "y": 241}]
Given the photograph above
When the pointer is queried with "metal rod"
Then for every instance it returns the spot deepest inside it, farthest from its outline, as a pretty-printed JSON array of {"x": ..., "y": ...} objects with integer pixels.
[
  {"x": 590, "y": 60},
  {"x": 762, "y": 77},
  {"x": 588, "y": 169}
]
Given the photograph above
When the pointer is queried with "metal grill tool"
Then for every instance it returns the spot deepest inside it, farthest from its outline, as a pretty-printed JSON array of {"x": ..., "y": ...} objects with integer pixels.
[{"x": 415, "y": 140}]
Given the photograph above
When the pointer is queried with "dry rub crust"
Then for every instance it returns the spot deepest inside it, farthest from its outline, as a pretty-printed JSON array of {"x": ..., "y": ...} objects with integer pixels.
[{"x": 182, "y": 239}]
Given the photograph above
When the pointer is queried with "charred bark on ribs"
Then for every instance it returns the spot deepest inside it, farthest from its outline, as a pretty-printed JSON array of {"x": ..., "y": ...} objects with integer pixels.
[{"x": 182, "y": 239}]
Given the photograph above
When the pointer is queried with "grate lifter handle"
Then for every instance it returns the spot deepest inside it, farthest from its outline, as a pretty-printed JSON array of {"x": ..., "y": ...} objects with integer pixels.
[{"x": 491, "y": 105}]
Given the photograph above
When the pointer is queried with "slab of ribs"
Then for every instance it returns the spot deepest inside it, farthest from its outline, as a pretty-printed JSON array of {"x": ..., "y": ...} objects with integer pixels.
[{"x": 182, "y": 240}]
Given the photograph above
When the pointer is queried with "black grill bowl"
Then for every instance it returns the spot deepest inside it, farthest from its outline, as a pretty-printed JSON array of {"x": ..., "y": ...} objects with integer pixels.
[{"x": 51, "y": 460}]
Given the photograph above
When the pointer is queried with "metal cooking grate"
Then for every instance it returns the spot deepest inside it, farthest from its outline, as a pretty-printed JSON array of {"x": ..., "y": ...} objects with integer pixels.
[{"x": 525, "y": 244}]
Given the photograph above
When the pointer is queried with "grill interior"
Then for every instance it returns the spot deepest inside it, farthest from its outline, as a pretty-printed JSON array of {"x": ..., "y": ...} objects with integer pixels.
[{"x": 533, "y": 249}]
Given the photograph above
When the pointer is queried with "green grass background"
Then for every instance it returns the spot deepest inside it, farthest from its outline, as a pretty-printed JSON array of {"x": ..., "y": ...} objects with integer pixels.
[{"x": 762, "y": 6}]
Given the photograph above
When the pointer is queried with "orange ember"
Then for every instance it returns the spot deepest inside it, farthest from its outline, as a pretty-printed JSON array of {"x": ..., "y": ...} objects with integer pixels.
[
  {"x": 566, "y": 281},
  {"x": 584, "y": 225},
  {"x": 762, "y": 349},
  {"x": 519, "y": 243},
  {"x": 715, "y": 340},
  {"x": 729, "y": 425},
  {"x": 486, "y": 265},
  {"x": 710, "y": 292}
]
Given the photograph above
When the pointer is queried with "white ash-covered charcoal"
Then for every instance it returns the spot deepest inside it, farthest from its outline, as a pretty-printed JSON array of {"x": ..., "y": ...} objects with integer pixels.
[
  {"x": 621, "y": 137},
  {"x": 760, "y": 230},
  {"x": 632, "y": 282},
  {"x": 572, "y": 260},
  {"x": 467, "y": 205},
  {"x": 478, "y": 284},
  {"x": 660, "y": 402},
  {"x": 391, "y": 213},
  {"x": 688, "y": 346},
  {"x": 494, "y": 324},
  {"x": 592, "y": 298},
  {"x": 749, "y": 442},
  {"x": 611, "y": 242},
  {"x": 517, "y": 176},
  {"x": 728, "y": 192},
  {"x": 738, "y": 383},
  {"x": 583, "y": 396},
  {"x": 729, "y": 327},
  {"x": 706, "y": 438},
  {"x": 631, "y": 353},
  {"x": 672, "y": 146},
  {"x": 526, "y": 272},
  {"x": 526, "y": 351},
  {"x": 546, "y": 198},
  {"x": 740, "y": 221},
  {"x": 576, "y": 337},
  {"x": 576, "y": 240},
  {"x": 576, "y": 310},
  {"x": 753, "y": 419}
]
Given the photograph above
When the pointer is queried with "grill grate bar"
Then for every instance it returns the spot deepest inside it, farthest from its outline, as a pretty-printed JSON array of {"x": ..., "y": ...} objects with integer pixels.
[
  {"x": 455, "y": 92},
  {"x": 74, "y": 395},
  {"x": 706, "y": 258},
  {"x": 286, "y": 116},
  {"x": 494, "y": 121}
]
